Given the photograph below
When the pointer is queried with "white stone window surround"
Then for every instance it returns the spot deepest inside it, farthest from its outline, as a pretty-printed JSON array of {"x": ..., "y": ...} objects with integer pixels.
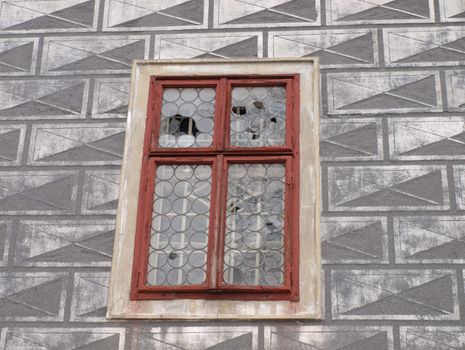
[{"x": 309, "y": 305}]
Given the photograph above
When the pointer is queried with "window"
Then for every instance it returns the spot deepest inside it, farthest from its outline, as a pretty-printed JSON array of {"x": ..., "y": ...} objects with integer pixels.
[
  {"x": 217, "y": 192},
  {"x": 218, "y": 214}
]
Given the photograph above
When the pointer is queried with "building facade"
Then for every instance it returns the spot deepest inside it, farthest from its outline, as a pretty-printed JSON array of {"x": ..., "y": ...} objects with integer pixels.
[{"x": 392, "y": 148}]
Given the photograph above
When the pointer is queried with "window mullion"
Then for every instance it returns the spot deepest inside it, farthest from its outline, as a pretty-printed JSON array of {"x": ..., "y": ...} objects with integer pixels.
[
  {"x": 155, "y": 105},
  {"x": 221, "y": 116},
  {"x": 218, "y": 208},
  {"x": 216, "y": 230}
]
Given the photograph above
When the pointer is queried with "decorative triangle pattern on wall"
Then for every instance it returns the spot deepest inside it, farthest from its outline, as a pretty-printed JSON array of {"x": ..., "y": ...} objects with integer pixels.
[
  {"x": 21, "y": 16},
  {"x": 256, "y": 13},
  {"x": 404, "y": 294},
  {"x": 219, "y": 338},
  {"x": 90, "y": 55},
  {"x": 214, "y": 46},
  {"x": 150, "y": 15},
  {"x": 379, "y": 11},
  {"x": 392, "y": 148}
]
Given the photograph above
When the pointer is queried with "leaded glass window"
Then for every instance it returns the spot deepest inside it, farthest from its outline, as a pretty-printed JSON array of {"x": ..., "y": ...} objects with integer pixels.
[{"x": 217, "y": 209}]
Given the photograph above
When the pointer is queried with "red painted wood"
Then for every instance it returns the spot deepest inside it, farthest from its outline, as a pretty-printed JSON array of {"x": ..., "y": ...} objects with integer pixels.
[
  {"x": 228, "y": 76},
  {"x": 295, "y": 183},
  {"x": 216, "y": 295},
  {"x": 219, "y": 156}
]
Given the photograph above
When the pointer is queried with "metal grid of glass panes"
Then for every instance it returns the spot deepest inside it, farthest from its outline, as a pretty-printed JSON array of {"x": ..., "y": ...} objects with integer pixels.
[
  {"x": 258, "y": 116},
  {"x": 254, "y": 241},
  {"x": 187, "y": 117},
  {"x": 180, "y": 222}
]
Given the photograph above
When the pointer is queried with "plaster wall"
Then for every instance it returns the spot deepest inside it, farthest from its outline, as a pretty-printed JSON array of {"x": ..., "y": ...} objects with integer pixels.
[{"x": 392, "y": 177}]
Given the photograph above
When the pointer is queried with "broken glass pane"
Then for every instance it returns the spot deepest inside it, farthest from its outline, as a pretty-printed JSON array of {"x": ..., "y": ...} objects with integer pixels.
[
  {"x": 187, "y": 117},
  {"x": 258, "y": 116},
  {"x": 254, "y": 235}
]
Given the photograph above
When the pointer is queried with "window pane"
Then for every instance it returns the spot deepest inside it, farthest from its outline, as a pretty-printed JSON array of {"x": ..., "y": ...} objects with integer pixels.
[
  {"x": 180, "y": 221},
  {"x": 187, "y": 117},
  {"x": 258, "y": 116},
  {"x": 254, "y": 241}
]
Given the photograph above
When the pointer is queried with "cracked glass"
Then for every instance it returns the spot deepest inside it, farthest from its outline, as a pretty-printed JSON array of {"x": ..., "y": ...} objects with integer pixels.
[
  {"x": 187, "y": 118},
  {"x": 254, "y": 234},
  {"x": 258, "y": 116}
]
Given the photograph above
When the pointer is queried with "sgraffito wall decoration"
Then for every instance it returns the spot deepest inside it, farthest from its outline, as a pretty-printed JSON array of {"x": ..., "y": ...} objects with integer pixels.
[{"x": 392, "y": 148}]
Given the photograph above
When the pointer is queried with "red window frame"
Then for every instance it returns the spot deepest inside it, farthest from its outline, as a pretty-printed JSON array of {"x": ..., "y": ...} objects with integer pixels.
[{"x": 219, "y": 155}]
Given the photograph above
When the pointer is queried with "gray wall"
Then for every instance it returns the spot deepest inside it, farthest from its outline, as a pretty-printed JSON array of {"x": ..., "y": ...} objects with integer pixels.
[{"x": 392, "y": 141}]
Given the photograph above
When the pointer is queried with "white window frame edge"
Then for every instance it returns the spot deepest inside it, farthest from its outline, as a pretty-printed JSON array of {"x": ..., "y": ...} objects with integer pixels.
[{"x": 309, "y": 306}]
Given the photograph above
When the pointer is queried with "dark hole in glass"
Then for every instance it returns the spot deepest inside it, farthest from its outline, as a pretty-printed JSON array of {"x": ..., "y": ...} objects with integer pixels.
[
  {"x": 233, "y": 208},
  {"x": 270, "y": 225},
  {"x": 179, "y": 125},
  {"x": 273, "y": 120},
  {"x": 259, "y": 105},
  {"x": 239, "y": 110}
]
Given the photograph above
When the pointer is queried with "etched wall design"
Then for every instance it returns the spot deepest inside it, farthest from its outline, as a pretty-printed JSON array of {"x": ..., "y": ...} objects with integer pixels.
[{"x": 392, "y": 148}]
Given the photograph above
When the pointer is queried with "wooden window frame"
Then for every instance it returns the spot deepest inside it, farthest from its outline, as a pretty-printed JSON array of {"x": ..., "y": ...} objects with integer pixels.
[{"x": 219, "y": 155}]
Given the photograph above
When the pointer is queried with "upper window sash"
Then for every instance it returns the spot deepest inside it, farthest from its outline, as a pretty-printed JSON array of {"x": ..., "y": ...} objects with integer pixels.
[
  {"x": 172, "y": 112},
  {"x": 188, "y": 102}
]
